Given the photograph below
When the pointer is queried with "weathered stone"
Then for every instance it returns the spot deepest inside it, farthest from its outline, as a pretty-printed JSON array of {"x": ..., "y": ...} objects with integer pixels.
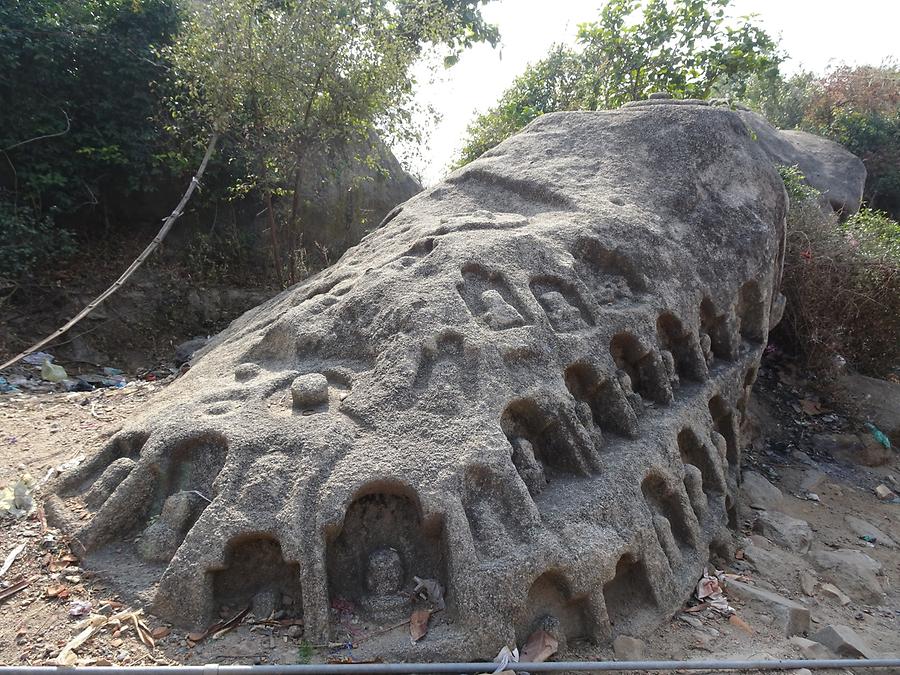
[
  {"x": 810, "y": 649},
  {"x": 759, "y": 492},
  {"x": 185, "y": 350},
  {"x": 807, "y": 583},
  {"x": 108, "y": 481},
  {"x": 855, "y": 448},
  {"x": 855, "y": 573},
  {"x": 791, "y": 533},
  {"x": 879, "y": 402},
  {"x": 791, "y": 617},
  {"x": 862, "y": 528},
  {"x": 265, "y": 602},
  {"x": 835, "y": 593},
  {"x": 884, "y": 493},
  {"x": 627, "y": 648},
  {"x": 615, "y": 236},
  {"x": 827, "y": 166},
  {"x": 162, "y": 538},
  {"x": 844, "y": 641},
  {"x": 309, "y": 390}
]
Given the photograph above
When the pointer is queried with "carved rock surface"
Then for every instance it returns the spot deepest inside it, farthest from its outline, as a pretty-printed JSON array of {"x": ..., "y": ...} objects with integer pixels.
[{"x": 534, "y": 375}]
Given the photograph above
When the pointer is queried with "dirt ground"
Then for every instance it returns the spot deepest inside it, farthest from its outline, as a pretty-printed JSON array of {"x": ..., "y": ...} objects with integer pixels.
[{"x": 41, "y": 431}]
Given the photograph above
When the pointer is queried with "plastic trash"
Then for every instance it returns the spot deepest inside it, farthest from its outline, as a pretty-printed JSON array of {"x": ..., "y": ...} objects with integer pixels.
[
  {"x": 6, "y": 387},
  {"x": 53, "y": 373},
  {"x": 879, "y": 435},
  {"x": 37, "y": 358}
]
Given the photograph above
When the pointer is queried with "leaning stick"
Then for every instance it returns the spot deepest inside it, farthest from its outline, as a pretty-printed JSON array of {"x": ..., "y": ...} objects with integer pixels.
[{"x": 167, "y": 225}]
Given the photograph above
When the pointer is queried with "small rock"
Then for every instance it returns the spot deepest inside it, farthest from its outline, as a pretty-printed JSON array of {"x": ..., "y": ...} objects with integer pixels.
[
  {"x": 810, "y": 649},
  {"x": 295, "y": 631},
  {"x": 807, "y": 583},
  {"x": 309, "y": 390},
  {"x": 185, "y": 350},
  {"x": 264, "y": 604},
  {"x": 852, "y": 571},
  {"x": 629, "y": 649},
  {"x": 844, "y": 641},
  {"x": 791, "y": 533},
  {"x": 692, "y": 621},
  {"x": 759, "y": 492},
  {"x": 791, "y": 617},
  {"x": 835, "y": 593},
  {"x": 884, "y": 493}
]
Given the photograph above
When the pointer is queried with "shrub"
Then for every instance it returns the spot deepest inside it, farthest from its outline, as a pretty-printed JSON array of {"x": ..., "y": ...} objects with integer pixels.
[
  {"x": 842, "y": 284},
  {"x": 28, "y": 241}
]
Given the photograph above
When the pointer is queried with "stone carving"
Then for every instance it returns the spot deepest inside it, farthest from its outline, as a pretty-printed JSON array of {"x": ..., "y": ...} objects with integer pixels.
[{"x": 527, "y": 386}]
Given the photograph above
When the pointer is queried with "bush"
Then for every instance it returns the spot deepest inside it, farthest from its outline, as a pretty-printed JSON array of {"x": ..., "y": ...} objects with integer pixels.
[
  {"x": 842, "y": 284},
  {"x": 28, "y": 241}
]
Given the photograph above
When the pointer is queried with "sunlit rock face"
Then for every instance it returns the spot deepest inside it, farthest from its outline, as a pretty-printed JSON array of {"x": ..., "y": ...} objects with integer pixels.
[{"x": 527, "y": 385}]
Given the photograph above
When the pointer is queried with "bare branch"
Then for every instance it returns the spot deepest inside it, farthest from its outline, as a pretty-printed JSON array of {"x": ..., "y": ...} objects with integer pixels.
[
  {"x": 167, "y": 225},
  {"x": 40, "y": 138}
]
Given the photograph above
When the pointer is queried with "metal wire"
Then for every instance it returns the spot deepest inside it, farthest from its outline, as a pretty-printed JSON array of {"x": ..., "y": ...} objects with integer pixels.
[{"x": 411, "y": 668}]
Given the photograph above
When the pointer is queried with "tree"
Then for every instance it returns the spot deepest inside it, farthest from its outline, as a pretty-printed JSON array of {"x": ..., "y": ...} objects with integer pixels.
[
  {"x": 280, "y": 78},
  {"x": 77, "y": 105},
  {"x": 859, "y": 107},
  {"x": 285, "y": 78},
  {"x": 687, "y": 48}
]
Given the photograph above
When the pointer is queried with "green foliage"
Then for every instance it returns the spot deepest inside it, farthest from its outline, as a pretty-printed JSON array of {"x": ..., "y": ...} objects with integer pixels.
[
  {"x": 687, "y": 48},
  {"x": 857, "y": 107},
  {"x": 284, "y": 79},
  {"x": 784, "y": 101},
  {"x": 78, "y": 72},
  {"x": 28, "y": 241},
  {"x": 876, "y": 233},
  {"x": 547, "y": 86},
  {"x": 842, "y": 283}
]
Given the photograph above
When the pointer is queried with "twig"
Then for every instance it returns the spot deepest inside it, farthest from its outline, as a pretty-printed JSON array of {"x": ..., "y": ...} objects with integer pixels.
[
  {"x": 45, "y": 136},
  {"x": 167, "y": 225}
]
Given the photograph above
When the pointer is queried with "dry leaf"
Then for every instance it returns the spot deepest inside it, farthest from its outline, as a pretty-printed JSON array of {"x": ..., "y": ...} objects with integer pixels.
[
  {"x": 418, "y": 624},
  {"x": 738, "y": 622},
  {"x": 811, "y": 407},
  {"x": 197, "y": 636},
  {"x": 540, "y": 647},
  {"x": 58, "y": 591},
  {"x": 160, "y": 632}
]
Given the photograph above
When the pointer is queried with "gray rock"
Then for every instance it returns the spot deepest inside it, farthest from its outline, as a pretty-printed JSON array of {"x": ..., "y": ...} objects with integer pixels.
[
  {"x": 185, "y": 350},
  {"x": 807, "y": 583},
  {"x": 791, "y": 617},
  {"x": 691, "y": 621},
  {"x": 310, "y": 390},
  {"x": 615, "y": 236},
  {"x": 791, "y": 533},
  {"x": 862, "y": 528},
  {"x": 829, "y": 167},
  {"x": 855, "y": 573},
  {"x": 265, "y": 602},
  {"x": 879, "y": 402},
  {"x": 162, "y": 538},
  {"x": 810, "y": 649},
  {"x": 108, "y": 481},
  {"x": 759, "y": 493},
  {"x": 629, "y": 649},
  {"x": 844, "y": 641}
]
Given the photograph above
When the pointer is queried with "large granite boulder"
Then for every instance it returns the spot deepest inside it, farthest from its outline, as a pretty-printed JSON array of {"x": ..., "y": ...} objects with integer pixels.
[
  {"x": 828, "y": 166},
  {"x": 524, "y": 390}
]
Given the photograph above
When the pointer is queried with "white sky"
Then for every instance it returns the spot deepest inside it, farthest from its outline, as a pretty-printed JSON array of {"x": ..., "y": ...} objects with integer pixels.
[{"x": 815, "y": 33}]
